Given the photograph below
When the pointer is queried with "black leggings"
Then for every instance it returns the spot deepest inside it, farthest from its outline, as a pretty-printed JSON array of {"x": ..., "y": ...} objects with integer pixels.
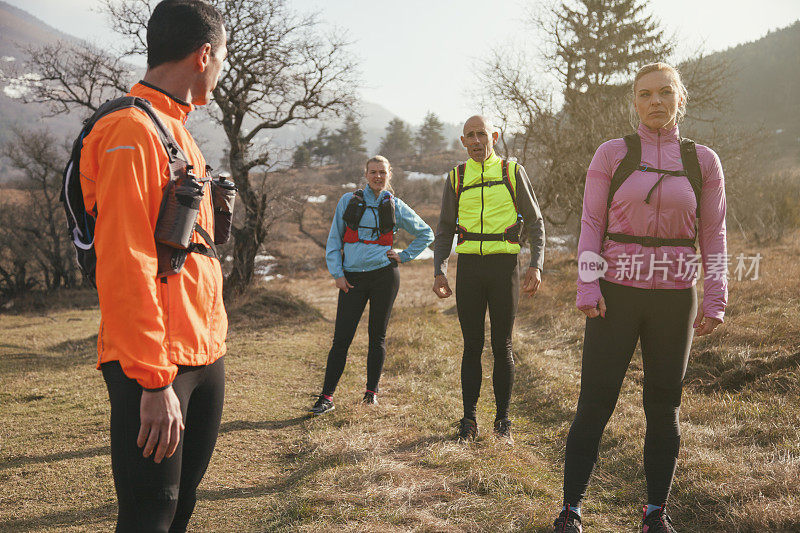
[
  {"x": 379, "y": 288},
  {"x": 662, "y": 319},
  {"x": 481, "y": 281},
  {"x": 161, "y": 497}
]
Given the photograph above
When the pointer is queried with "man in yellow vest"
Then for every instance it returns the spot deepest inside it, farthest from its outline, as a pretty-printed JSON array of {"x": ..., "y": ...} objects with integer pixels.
[{"x": 485, "y": 203}]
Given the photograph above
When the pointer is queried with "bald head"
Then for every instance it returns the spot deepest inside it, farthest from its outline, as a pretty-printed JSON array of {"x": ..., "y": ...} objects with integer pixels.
[
  {"x": 479, "y": 137},
  {"x": 478, "y": 121}
]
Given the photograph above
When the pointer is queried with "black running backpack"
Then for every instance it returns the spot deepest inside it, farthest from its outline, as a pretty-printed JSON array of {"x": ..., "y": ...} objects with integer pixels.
[{"x": 81, "y": 222}]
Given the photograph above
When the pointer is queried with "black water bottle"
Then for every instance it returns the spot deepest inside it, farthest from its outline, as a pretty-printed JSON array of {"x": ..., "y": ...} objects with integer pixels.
[
  {"x": 179, "y": 210},
  {"x": 223, "y": 196}
]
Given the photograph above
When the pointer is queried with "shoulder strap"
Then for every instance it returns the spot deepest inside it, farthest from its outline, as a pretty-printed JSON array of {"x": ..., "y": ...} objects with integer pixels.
[
  {"x": 458, "y": 183},
  {"x": 691, "y": 165},
  {"x": 629, "y": 163},
  {"x": 507, "y": 181}
]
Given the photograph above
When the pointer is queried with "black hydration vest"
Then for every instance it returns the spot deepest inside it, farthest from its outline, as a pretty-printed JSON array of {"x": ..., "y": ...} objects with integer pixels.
[
  {"x": 632, "y": 162},
  {"x": 384, "y": 233}
]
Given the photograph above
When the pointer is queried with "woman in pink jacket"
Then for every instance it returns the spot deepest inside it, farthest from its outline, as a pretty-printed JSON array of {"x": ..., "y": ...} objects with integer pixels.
[{"x": 649, "y": 198}]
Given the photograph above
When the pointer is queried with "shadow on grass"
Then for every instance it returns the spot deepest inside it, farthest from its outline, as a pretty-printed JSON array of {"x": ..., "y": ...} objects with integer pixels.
[
  {"x": 240, "y": 425},
  {"x": 61, "y": 356},
  {"x": 295, "y": 478},
  {"x": 23, "y": 460},
  {"x": 263, "y": 308},
  {"x": 71, "y": 518}
]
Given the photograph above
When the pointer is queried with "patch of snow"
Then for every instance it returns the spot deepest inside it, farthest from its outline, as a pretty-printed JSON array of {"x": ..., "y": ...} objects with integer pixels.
[
  {"x": 264, "y": 270},
  {"x": 270, "y": 278},
  {"x": 350, "y": 185},
  {"x": 414, "y": 176},
  {"x": 317, "y": 199},
  {"x": 19, "y": 87},
  {"x": 9, "y": 59},
  {"x": 779, "y": 131},
  {"x": 425, "y": 254},
  {"x": 261, "y": 257}
]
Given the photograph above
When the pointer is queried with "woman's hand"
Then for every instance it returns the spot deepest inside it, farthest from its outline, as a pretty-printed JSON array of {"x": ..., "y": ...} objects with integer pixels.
[
  {"x": 342, "y": 284},
  {"x": 593, "y": 312},
  {"x": 394, "y": 256},
  {"x": 703, "y": 325}
]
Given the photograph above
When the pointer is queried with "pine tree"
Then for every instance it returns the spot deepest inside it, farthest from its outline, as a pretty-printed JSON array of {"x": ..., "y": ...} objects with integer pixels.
[
  {"x": 398, "y": 141},
  {"x": 347, "y": 143},
  {"x": 430, "y": 136},
  {"x": 593, "y": 47}
]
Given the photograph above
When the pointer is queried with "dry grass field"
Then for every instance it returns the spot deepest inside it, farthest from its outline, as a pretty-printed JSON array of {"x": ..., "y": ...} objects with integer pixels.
[{"x": 396, "y": 467}]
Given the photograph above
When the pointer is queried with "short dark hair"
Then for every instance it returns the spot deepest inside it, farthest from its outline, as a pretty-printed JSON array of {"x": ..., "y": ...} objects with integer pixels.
[{"x": 179, "y": 27}]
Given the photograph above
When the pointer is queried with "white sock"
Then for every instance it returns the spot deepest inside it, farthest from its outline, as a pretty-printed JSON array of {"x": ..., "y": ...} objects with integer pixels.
[{"x": 651, "y": 508}]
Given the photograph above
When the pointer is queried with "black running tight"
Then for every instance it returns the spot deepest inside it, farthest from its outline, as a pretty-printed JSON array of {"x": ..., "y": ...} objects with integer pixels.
[
  {"x": 487, "y": 281},
  {"x": 662, "y": 319},
  {"x": 379, "y": 288},
  {"x": 156, "y": 498}
]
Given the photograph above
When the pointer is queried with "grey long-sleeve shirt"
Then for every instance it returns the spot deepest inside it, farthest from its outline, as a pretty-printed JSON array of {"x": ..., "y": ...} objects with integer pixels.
[{"x": 528, "y": 207}]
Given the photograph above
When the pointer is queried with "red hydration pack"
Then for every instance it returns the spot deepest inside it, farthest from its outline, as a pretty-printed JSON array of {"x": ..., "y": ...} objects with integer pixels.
[{"x": 384, "y": 215}]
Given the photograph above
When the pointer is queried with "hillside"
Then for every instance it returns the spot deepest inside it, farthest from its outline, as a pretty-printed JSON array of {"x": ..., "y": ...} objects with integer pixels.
[{"x": 762, "y": 86}]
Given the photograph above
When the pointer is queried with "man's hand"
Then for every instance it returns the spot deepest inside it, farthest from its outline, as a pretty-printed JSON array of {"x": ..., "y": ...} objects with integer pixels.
[
  {"x": 533, "y": 278},
  {"x": 704, "y": 324},
  {"x": 440, "y": 287},
  {"x": 394, "y": 256},
  {"x": 161, "y": 423},
  {"x": 342, "y": 284},
  {"x": 599, "y": 309}
]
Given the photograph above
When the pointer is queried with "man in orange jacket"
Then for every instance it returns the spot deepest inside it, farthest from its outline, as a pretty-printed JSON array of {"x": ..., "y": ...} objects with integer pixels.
[{"x": 161, "y": 340}]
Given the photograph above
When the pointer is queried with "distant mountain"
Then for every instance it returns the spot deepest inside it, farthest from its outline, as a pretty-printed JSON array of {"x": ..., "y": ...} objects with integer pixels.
[
  {"x": 763, "y": 85},
  {"x": 19, "y": 29}
]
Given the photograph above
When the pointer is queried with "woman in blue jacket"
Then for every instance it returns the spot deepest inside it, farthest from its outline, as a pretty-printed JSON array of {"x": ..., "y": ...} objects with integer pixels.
[{"x": 361, "y": 260}]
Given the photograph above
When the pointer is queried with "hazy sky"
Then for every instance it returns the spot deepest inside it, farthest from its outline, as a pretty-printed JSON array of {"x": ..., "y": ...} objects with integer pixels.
[{"x": 420, "y": 55}]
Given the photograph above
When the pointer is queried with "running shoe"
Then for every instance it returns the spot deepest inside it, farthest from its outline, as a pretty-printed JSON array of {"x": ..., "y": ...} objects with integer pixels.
[
  {"x": 502, "y": 430},
  {"x": 467, "y": 429},
  {"x": 568, "y": 522},
  {"x": 323, "y": 405},
  {"x": 657, "y": 522},
  {"x": 370, "y": 398}
]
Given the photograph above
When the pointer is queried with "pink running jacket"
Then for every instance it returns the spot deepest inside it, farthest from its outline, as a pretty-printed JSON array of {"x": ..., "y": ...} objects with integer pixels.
[{"x": 670, "y": 214}]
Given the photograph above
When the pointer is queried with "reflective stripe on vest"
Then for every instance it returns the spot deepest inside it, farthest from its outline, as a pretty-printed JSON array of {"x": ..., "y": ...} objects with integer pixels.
[{"x": 487, "y": 209}]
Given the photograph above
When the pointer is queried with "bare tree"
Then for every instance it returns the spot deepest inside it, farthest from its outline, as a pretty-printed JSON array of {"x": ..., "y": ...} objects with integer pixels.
[
  {"x": 33, "y": 228},
  {"x": 281, "y": 70},
  {"x": 74, "y": 75}
]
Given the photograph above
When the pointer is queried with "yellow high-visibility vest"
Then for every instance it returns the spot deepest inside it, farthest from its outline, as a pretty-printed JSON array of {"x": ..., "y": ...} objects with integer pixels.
[{"x": 487, "y": 217}]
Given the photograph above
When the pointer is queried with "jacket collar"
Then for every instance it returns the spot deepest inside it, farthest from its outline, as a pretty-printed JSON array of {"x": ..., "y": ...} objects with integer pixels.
[
  {"x": 369, "y": 194},
  {"x": 163, "y": 101},
  {"x": 661, "y": 134},
  {"x": 493, "y": 159}
]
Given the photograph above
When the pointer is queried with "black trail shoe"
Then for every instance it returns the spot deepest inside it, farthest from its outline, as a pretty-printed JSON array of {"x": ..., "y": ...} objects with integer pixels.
[
  {"x": 370, "y": 398},
  {"x": 467, "y": 429},
  {"x": 567, "y": 522},
  {"x": 657, "y": 522},
  {"x": 322, "y": 405},
  {"x": 502, "y": 430}
]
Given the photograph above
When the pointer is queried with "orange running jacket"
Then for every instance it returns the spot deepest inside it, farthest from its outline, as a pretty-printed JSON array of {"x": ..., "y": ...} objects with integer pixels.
[{"x": 149, "y": 325}]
